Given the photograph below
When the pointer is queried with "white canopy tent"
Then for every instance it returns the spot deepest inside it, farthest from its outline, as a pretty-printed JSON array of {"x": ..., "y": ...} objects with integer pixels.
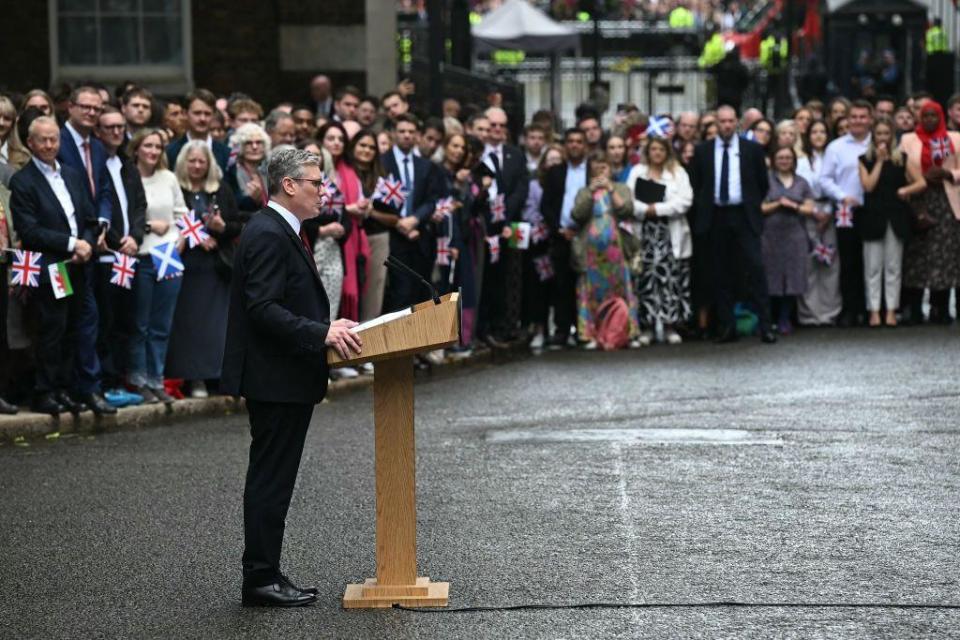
[{"x": 519, "y": 25}]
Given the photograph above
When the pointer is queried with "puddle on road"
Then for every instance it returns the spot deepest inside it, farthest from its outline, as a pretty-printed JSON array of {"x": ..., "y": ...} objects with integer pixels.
[{"x": 641, "y": 436}]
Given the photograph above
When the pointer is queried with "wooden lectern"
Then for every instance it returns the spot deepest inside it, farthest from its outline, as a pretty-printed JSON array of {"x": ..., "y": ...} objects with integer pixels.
[{"x": 390, "y": 345}]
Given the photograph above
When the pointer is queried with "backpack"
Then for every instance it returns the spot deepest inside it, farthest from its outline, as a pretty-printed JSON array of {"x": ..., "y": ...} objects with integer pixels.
[{"x": 613, "y": 324}]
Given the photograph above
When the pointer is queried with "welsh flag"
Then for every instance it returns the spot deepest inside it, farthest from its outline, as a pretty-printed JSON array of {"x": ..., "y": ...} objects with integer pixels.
[
  {"x": 519, "y": 235},
  {"x": 60, "y": 280}
]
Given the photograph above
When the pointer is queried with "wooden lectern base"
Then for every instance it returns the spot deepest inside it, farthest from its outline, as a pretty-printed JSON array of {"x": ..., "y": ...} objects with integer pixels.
[{"x": 370, "y": 595}]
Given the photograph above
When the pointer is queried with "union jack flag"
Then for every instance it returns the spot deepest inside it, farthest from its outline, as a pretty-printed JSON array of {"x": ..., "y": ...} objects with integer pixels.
[
  {"x": 443, "y": 251},
  {"x": 334, "y": 201},
  {"x": 940, "y": 149},
  {"x": 544, "y": 267},
  {"x": 660, "y": 127},
  {"x": 327, "y": 187},
  {"x": 26, "y": 268},
  {"x": 539, "y": 233},
  {"x": 493, "y": 247},
  {"x": 390, "y": 192},
  {"x": 122, "y": 270},
  {"x": 192, "y": 229},
  {"x": 844, "y": 217},
  {"x": 823, "y": 253},
  {"x": 498, "y": 208},
  {"x": 444, "y": 206}
]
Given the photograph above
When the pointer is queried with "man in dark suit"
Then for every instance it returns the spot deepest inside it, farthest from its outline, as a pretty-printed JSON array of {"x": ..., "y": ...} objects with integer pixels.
[
  {"x": 411, "y": 241},
  {"x": 54, "y": 215},
  {"x": 80, "y": 150},
  {"x": 503, "y": 281},
  {"x": 729, "y": 179},
  {"x": 560, "y": 188},
  {"x": 128, "y": 202},
  {"x": 201, "y": 105},
  {"x": 278, "y": 331}
]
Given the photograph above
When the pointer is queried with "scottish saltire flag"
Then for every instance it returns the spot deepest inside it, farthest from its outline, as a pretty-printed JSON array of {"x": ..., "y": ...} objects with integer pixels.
[
  {"x": 498, "y": 208},
  {"x": 390, "y": 192},
  {"x": 823, "y": 253},
  {"x": 192, "y": 229},
  {"x": 519, "y": 235},
  {"x": 493, "y": 248},
  {"x": 167, "y": 261},
  {"x": 844, "y": 217},
  {"x": 443, "y": 251},
  {"x": 25, "y": 268},
  {"x": 60, "y": 280},
  {"x": 444, "y": 206},
  {"x": 544, "y": 267},
  {"x": 660, "y": 127},
  {"x": 122, "y": 270}
]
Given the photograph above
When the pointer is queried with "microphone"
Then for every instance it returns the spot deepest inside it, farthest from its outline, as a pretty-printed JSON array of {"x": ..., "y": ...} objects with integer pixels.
[{"x": 395, "y": 263}]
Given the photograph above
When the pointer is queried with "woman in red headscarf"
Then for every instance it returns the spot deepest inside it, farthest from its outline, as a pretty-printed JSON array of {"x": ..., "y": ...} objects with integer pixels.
[{"x": 932, "y": 258}]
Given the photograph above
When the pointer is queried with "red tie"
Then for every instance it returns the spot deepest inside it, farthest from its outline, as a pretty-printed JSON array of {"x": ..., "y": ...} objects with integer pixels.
[
  {"x": 306, "y": 243},
  {"x": 88, "y": 160}
]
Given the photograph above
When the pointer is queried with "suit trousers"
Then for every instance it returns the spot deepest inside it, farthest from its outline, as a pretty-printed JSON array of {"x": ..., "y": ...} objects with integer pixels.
[
  {"x": 563, "y": 293},
  {"x": 492, "y": 310},
  {"x": 850, "y": 249},
  {"x": 115, "y": 306},
  {"x": 735, "y": 246},
  {"x": 88, "y": 327},
  {"x": 279, "y": 430},
  {"x": 882, "y": 260},
  {"x": 59, "y": 334}
]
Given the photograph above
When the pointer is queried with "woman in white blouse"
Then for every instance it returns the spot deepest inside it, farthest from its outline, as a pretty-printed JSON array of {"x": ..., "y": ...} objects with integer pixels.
[
  {"x": 156, "y": 299},
  {"x": 663, "y": 285}
]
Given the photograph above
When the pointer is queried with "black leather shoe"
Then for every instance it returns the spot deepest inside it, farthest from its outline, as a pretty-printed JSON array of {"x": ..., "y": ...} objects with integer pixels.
[
  {"x": 278, "y": 594},
  {"x": 310, "y": 590},
  {"x": 768, "y": 336},
  {"x": 162, "y": 395},
  {"x": 47, "y": 403},
  {"x": 8, "y": 409},
  {"x": 99, "y": 406},
  {"x": 726, "y": 336},
  {"x": 69, "y": 404}
]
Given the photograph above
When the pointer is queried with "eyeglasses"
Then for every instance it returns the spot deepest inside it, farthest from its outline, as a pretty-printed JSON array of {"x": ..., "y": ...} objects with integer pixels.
[
  {"x": 91, "y": 108},
  {"x": 498, "y": 125},
  {"x": 316, "y": 183},
  {"x": 113, "y": 127}
]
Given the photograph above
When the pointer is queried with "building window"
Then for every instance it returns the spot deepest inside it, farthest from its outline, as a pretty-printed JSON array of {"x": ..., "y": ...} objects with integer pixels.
[{"x": 117, "y": 38}]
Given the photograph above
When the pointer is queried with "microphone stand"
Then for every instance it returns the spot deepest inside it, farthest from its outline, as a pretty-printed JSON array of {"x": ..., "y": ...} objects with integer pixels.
[{"x": 393, "y": 262}]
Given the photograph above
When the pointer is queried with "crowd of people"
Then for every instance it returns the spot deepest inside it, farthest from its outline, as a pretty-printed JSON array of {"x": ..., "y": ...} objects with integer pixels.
[
  {"x": 655, "y": 228},
  {"x": 702, "y": 12}
]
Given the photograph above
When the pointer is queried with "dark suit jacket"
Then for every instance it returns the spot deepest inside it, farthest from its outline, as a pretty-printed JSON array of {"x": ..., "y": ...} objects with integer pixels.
[
  {"x": 278, "y": 319},
  {"x": 754, "y": 181},
  {"x": 427, "y": 189},
  {"x": 71, "y": 156},
  {"x": 516, "y": 182},
  {"x": 221, "y": 153},
  {"x": 551, "y": 203},
  {"x": 41, "y": 222},
  {"x": 136, "y": 205}
]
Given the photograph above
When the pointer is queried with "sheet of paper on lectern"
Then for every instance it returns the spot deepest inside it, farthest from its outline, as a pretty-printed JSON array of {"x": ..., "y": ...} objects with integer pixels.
[{"x": 385, "y": 318}]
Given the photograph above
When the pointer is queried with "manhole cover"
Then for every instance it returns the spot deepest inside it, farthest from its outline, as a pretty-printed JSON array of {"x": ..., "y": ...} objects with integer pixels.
[{"x": 653, "y": 436}]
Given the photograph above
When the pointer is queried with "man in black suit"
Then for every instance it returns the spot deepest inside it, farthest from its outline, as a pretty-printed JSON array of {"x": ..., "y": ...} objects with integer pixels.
[
  {"x": 54, "y": 215},
  {"x": 560, "y": 188},
  {"x": 411, "y": 241},
  {"x": 128, "y": 218},
  {"x": 729, "y": 179},
  {"x": 201, "y": 105},
  {"x": 503, "y": 281},
  {"x": 278, "y": 331}
]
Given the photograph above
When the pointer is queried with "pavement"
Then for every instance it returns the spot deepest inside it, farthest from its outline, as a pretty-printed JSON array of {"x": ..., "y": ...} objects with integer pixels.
[{"x": 822, "y": 470}]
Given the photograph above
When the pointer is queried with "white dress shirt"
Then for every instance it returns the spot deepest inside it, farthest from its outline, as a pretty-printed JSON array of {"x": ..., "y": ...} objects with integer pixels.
[
  {"x": 840, "y": 177},
  {"x": 207, "y": 141},
  {"x": 735, "y": 187},
  {"x": 576, "y": 180},
  {"x": 113, "y": 166},
  {"x": 55, "y": 180},
  {"x": 400, "y": 156},
  {"x": 291, "y": 219},
  {"x": 496, "y": 150}
]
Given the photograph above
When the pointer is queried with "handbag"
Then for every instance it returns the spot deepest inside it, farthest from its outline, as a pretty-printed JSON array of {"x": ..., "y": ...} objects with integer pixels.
[{"x": 922, "y": 220}]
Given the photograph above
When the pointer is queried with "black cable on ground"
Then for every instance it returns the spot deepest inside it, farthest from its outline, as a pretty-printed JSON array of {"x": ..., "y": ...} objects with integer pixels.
[{"x": 684, "y": 605}]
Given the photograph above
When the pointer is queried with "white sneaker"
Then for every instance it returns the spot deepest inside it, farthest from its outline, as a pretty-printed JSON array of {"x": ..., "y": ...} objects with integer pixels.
[
  {"x": 343, "y": 373},
  {"x": 435, "y": 357},
  {"x": 590, "y": 346},
  {"x": 367, "y": 368},
  {"x": 198, "y": 389},
  {"x": 673, "y": 337},
  {"x": 537, "y": 342},
  {"x": 635, "y": 343},
  {"x": 646, "y": 338}
]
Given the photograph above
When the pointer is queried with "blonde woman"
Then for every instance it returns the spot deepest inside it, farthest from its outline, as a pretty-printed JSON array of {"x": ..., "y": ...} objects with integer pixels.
[
  {"x": 200, "y": 321},
  {"x": 788, "y": 135},
  {"x": 155, "y": 299},
  {"x": 12, "y": 151}
]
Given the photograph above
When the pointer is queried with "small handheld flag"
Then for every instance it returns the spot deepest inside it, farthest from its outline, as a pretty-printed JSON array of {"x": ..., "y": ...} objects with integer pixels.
[
  {"x": 167, "y": 261},
  {"x": 493, "y": 248},
  {"x": 444, "y": 206},
  {"x": 498, "y": 208},
  {"x": 122, "y": 270},
  {"x": 519, "y": 235},
  {"x": 25, "y": 268},
  {"x": 660, "y": 127},
  {"x": 390, "y": 192},
  {"x": 823, "y": 253},
  {"x": 539, "y": 233},
  {"x": 192, "y": 229},
  {"x": 544, "y": 267},
  {"x": 443, "y": 251},
  {"x": 60, "y": 280},
  {"x": 334, "y": 202},
  {"x": 844, "y": 217}
]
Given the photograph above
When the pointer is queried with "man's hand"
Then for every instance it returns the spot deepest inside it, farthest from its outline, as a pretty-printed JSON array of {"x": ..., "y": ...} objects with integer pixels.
[
  {"x": 850, "y": 201},
  {"x": 102, "y": 242},
  {"x": 340, "y": 338},
  {"x": 128, "y": 246},
  {"x": 333, "y": 230},
  {"x": 82, "y": 251},
  {"x": 253, "y": 189},
  {"x": 568, "y": 234},
  {"x": 407, "y": 224}
]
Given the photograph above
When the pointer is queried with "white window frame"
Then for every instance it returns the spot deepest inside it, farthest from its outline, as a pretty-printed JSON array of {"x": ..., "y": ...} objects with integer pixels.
[{"x": 161, "y": 78}]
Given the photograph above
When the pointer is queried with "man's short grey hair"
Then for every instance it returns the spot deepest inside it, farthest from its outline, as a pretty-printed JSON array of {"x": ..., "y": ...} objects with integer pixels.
[
  {"x": 39, "y": 120},
  {"x": 289, "y": 163},
  {"x": 274, "y": 118}
]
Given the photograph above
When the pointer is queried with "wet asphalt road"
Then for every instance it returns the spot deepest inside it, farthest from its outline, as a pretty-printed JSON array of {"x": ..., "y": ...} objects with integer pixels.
[{"x": 824, "y": 469}]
